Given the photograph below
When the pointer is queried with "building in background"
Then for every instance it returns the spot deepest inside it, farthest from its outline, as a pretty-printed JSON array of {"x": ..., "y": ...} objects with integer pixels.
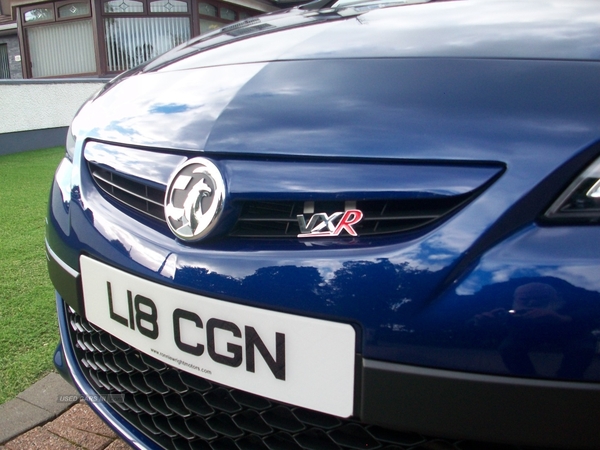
[{"x": 73, "y": 38}]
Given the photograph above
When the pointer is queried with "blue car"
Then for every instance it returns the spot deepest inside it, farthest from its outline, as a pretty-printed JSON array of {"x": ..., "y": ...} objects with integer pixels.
[{"x": 368, "y": 224}]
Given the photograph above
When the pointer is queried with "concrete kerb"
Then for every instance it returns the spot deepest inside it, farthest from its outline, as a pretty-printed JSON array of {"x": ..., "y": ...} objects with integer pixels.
[{"x": 40, "y": 403}]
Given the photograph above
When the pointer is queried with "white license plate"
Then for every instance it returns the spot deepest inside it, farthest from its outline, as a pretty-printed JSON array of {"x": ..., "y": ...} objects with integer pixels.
[{"x": 297, "y": 360}]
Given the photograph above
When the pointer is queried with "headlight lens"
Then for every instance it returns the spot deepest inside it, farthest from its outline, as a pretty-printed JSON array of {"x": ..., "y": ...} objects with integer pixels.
[{"x": 580, "y": 202}]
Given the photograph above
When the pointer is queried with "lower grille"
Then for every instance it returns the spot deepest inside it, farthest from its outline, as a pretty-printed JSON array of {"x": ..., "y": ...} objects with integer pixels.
[{"x": 181, "y": 411}]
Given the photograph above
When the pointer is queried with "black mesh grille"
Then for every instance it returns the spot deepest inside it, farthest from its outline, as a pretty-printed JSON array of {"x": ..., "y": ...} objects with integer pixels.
[
  {"x": 135, "y": 194},
  {"x": 181, "y": 411},
  {"x": 280, "y": 219}
]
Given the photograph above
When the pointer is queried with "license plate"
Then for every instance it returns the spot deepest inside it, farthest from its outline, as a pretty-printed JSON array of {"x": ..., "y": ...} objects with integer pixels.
[{"x": 293, "y": 359}]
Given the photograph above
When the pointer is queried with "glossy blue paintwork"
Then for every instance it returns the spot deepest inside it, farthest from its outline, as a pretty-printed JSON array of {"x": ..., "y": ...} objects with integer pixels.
[
  {"x": 536, "y": 293},
  {"x": 440, "y": 297},
  {"x": 553, "y": 30}
]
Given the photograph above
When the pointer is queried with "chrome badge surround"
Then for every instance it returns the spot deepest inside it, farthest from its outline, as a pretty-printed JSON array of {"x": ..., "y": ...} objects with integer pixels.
[{"x": 194, "y": 199}]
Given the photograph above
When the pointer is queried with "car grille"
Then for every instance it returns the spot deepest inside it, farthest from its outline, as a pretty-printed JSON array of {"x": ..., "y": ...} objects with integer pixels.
[
  {"x": 178, "y": 410},
  {"x": 133, "y": 193},
  {"x": 273, "y": 219},
  {"x": 279, "y": 219}
]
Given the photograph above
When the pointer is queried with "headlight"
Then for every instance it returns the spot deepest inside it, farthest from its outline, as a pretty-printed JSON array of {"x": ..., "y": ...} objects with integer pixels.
[
  {"x": 70, "y": 144},
  {"x": 580, "y": 202}
]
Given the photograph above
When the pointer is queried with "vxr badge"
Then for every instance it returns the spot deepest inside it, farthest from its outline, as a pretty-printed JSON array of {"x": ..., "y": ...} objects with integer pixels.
[{"x": 323, "y": 225}]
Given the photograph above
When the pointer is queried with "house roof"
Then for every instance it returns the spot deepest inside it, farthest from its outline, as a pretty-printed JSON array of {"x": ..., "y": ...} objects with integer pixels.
[{"x": 7, "y": 23}]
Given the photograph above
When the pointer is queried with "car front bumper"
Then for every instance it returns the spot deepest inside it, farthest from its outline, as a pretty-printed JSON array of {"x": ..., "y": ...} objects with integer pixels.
[{"x": 390, "y": 398}]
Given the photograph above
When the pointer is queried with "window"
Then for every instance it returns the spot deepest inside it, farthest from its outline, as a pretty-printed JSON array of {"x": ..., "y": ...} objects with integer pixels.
[
  {"x": 59, "y": 38},
  {"x": 4, "y": 66},
  {"x": 123, "y": 7},
  {"x": 140, "y": 7},
  {"x": 216, "y": 15},
  {"x": 130, "y": 41},
  {"x": 73, "y": 10},
  {"x": 41, "y": 14},
  {"x": 62, "y": 49},
  {"x": 168, "y": 6},
  {"x": 138, "y": 30},
  {"x": 206, "y": 9},
  {"x": 227, "y": 14}
]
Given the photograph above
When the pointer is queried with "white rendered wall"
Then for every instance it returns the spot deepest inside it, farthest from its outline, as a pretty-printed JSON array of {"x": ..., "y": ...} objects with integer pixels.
[{"x": 37, "y": 105}]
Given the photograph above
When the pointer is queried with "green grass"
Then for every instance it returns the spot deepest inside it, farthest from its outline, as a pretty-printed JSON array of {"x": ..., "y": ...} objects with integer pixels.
[{"x": 28, "y": 324}]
